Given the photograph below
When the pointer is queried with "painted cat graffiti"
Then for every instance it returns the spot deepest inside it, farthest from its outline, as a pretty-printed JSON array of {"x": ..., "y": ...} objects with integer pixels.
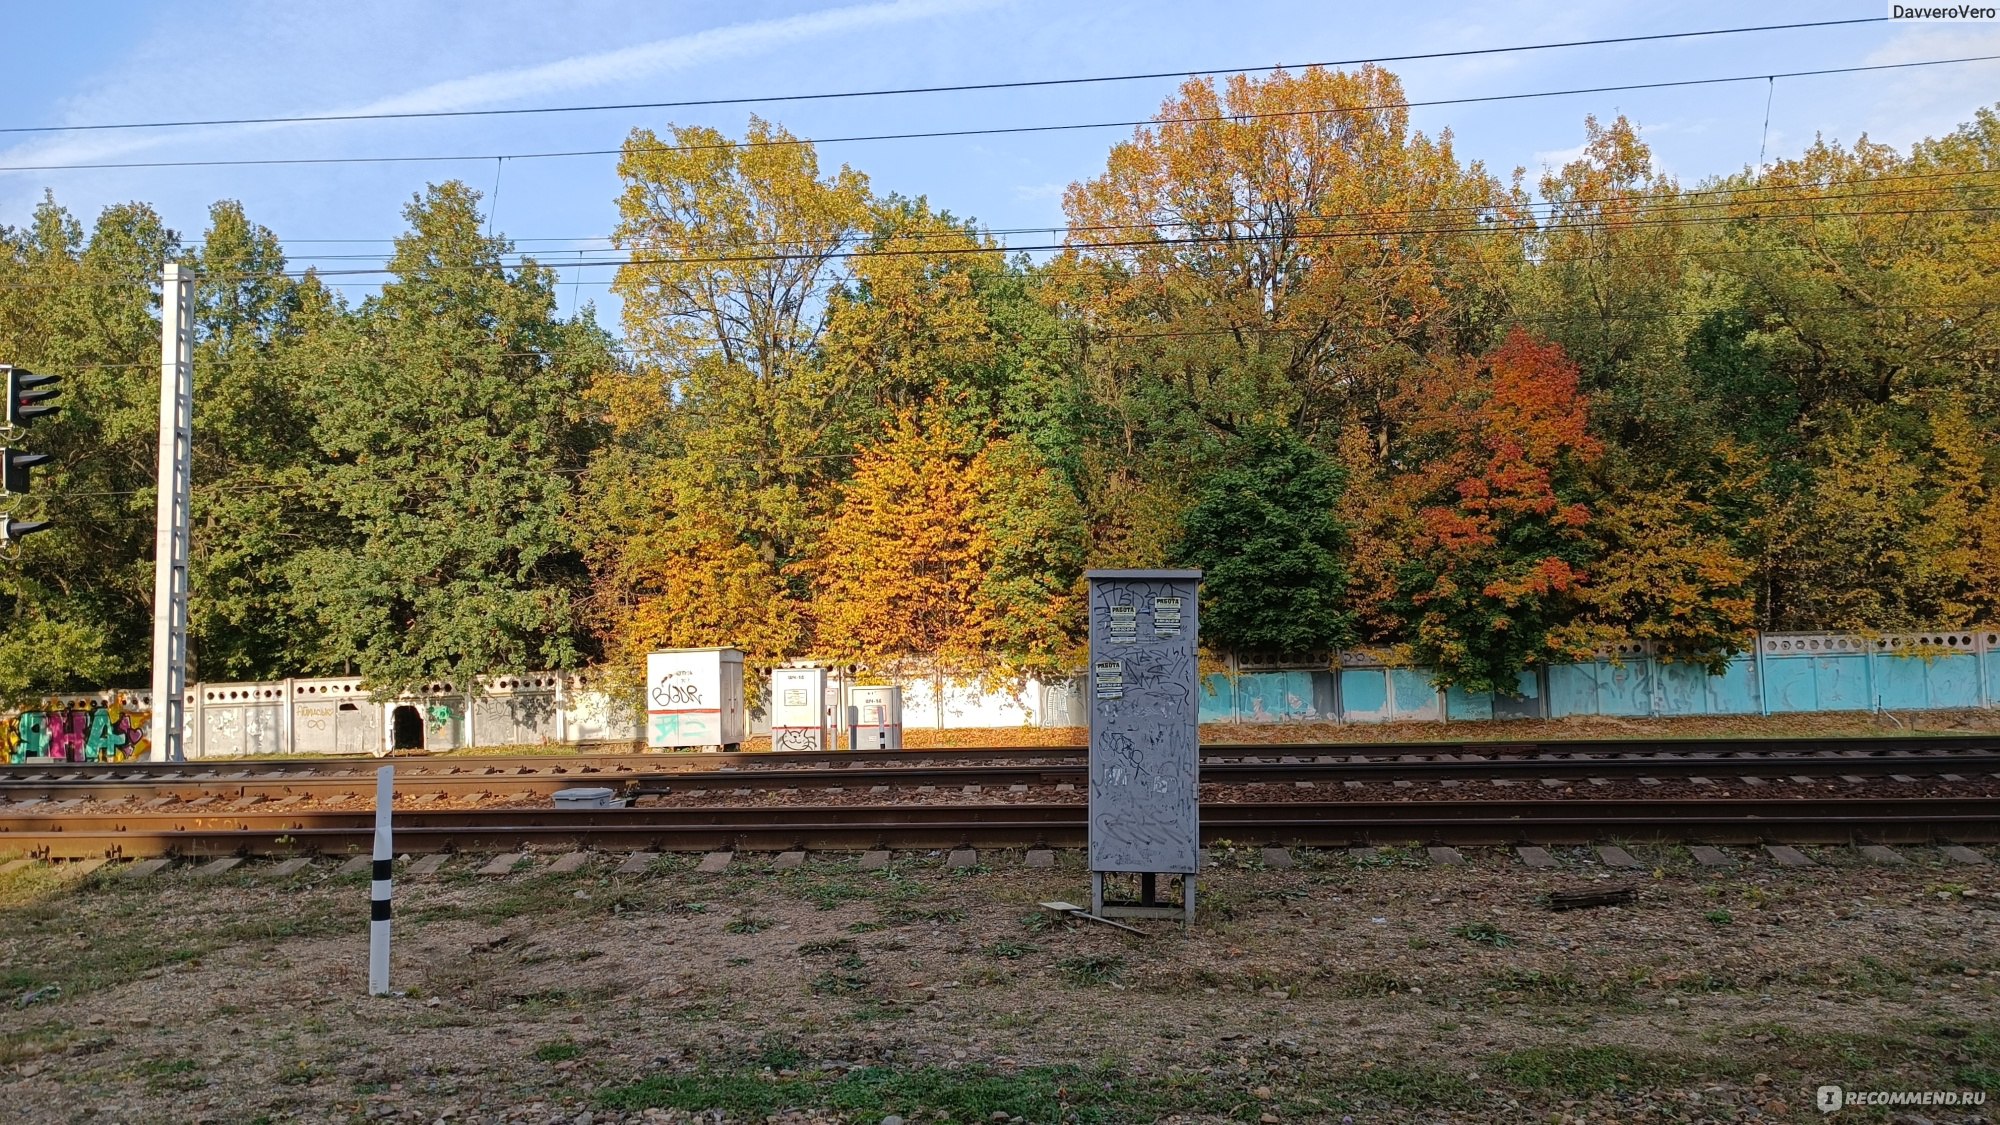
[{"x": 79, "y": 731}]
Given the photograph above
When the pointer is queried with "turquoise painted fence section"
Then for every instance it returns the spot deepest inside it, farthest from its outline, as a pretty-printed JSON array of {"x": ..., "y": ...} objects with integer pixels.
[{"x": 1785, "y": 673}]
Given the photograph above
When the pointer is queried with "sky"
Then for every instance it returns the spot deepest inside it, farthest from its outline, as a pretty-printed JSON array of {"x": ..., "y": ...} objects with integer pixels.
[{"x": 150, "y": 60}]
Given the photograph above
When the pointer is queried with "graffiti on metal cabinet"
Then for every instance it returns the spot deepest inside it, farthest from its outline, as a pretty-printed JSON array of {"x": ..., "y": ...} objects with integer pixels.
[
  {"x": 678, "y": 726},
  {"x": 76, "y": 732},
  {"x": 795, "y": 738},
  {"x": 677, "y": 689}
]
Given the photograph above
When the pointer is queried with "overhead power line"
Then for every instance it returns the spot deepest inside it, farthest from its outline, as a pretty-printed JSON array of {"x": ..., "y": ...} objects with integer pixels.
[
  {"x": 985, "y": 131},
  {"x": 1190, "y": 240},
  {"x": 1539, "y": 210},
  {"x": 830, "y": 252},
  {"x": 1737, "y": 195},
  {"x": 910, "y": 90}
]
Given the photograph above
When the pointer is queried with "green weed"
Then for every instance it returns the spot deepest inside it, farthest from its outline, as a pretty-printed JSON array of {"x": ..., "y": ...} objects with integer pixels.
[{"x": 1483, "y": 933}]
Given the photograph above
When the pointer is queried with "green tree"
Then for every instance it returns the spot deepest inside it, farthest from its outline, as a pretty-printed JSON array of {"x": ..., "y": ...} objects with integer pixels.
[
  {"x": 75, "y": 607},
  {"x": 1264, "y": 531},
  {"x": 450, "y": 414},
  {"x": 253, "y": 456}
]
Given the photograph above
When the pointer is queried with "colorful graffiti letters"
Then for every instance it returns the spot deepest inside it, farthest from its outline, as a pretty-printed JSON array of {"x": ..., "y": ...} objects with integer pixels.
[{"x": 76, "y": 732}]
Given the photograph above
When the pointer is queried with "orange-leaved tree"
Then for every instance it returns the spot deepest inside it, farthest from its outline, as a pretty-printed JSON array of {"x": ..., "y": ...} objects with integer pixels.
[
  {"x": 1493, "y": 456},
  {"x": 950, "y": 552}
]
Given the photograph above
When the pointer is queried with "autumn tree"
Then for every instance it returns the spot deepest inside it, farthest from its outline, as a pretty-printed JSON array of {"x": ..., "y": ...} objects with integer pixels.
[
  {"x": 736, "y": 250},
  {"x": 1666, "y": 571},
  {"x": 1033, "y": 593},
  {"x": 911, "y": 322},
  {"x": 899, "y": 570},
  {"x": 1494, "y": 566},
  {"x": 1612, "y": 253},
  {"x": 1274, "y": 247},
  {"x": 1954, "y": 568}
]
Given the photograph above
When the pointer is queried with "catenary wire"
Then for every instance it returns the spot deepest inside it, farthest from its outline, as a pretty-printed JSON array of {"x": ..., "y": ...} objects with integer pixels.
[
  {"x": 829, "y": 254},
  {"x": 958, "y": 88},
  {"x": 987, "y": 131}
]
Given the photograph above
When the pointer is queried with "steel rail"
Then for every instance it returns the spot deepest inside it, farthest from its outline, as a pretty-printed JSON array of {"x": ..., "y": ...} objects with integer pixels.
[
  {"x": 760, "y": 828},
  {"x": 236, "y": 786},
  {"x": 581, "y": 767}
]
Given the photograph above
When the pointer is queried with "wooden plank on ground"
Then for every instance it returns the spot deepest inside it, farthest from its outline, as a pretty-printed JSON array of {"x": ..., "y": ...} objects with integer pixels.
[{"x": 1595, "y": 896}]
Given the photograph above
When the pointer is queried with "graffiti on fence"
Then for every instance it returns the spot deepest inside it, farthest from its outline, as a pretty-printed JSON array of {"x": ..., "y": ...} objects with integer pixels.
[{"x": 76, "y": 731}]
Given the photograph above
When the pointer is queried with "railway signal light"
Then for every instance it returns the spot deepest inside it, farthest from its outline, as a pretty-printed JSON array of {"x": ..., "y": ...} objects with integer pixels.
[
  {"x": 26, "y": 391},
  {"x": 13, "y": 530},
  {"x": 16, "y": 465}
]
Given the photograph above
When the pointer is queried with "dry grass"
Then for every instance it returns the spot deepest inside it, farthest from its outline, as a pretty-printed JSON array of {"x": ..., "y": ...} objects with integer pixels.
[{"x": 1380, "y": 988}]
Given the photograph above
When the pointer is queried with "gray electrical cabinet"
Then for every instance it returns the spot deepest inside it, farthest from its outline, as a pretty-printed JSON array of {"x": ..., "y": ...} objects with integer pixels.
[
  {"x": 1145, "y": 762},
  {"x": 877, "y": 718}
]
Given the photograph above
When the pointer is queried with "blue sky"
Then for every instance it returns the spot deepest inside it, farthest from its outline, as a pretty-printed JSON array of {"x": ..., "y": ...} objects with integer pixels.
[{"x": 146, "y": 61}]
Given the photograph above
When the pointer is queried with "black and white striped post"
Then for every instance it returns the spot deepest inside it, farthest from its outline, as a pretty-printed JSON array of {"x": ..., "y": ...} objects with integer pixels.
[{"x": 380, "y": 889}]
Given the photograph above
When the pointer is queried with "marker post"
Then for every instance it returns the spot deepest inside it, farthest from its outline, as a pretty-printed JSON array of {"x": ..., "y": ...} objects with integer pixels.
[{"x": 381, "y": 888}]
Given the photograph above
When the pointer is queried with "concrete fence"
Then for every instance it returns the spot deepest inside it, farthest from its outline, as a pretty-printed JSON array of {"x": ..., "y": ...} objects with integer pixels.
[{"x": 1783, "y": 673}]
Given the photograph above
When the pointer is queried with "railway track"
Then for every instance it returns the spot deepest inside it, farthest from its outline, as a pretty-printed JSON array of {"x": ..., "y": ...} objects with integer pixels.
[
  {"x": 226, "y": 788},
  {"x": 630, "y": 760},
  {"x": 319, "y": 806},
  {"x": 534, "y": 780},
  {"x": 1872, "y": 819}
]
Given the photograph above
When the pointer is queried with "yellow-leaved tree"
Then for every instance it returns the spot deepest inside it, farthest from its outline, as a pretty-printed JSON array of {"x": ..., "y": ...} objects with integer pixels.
[
  {"x": 897, "y": 573},
  {"x": 726, "y": 431}
]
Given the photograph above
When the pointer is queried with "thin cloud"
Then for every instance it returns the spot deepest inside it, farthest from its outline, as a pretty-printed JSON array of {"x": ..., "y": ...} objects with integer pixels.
[{"x": 515, "y": 84}]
